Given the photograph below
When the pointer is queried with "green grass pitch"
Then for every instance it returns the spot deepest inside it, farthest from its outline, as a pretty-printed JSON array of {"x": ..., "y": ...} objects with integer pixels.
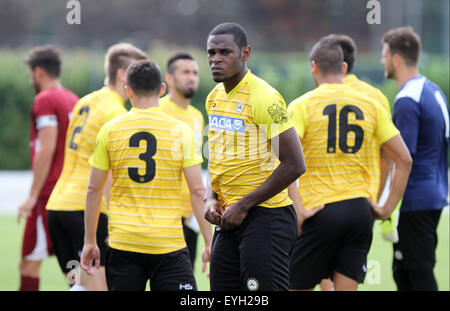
[{"x": 378, "y": 277}]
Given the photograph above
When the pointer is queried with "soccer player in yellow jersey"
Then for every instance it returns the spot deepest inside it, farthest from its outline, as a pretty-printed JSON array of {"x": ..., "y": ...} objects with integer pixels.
[
  {"x": 348, "y": 47},
  {"x": 182, "y": 80},
  {"x": 65, "y": 207},
  {"x": 382, "y": 163},
  {"x": 336, "y": 125},
  {"x": 147, "y": 150},
  {"x": 254, "y": 154}
]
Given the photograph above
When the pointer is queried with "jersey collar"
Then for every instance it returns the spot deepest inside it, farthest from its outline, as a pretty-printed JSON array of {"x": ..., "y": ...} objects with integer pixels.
[
  {"x": 240, "y": 84},
  {"x": 157, "y": 108},
  {"x": 114, "y": 95},
  {"x": 411, "y": 79},
  {"x": 350, "y": 78},
  {"x": 166, "y": 99}
]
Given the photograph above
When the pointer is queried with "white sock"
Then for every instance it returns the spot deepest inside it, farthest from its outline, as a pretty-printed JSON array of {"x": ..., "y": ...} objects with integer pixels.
[{"x": 77, "y": 288}]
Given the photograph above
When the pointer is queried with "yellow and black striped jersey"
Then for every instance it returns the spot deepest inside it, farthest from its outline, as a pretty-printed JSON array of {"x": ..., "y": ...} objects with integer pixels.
[
  {"x": 337, "y": 126},
  {"x": 194, "y": 118},
  {"x": 242, "y": 124},
  {"x": 378, "y": 96},
  {"x": 146, "y": 151},
  {"x": 88, "y": 116}
]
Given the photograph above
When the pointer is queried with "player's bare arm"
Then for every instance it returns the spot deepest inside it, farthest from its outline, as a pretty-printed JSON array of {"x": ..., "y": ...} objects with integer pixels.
[
  {"x": 292, "y": 166},
  {"x": 302, "y": 213},
  {"x": 42, "y": 161},
  {"x": 396, "y": 150},
  {"x": 385, "y": 168},
  {"x": 213, "y": 209},
  {"x": 107, "y": 190},
  {"x": 193, "y": 175},
  {"x": 91, "y": 252}
]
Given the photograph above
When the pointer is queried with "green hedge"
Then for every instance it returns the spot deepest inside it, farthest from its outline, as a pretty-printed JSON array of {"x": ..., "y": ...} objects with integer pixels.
[{"x": 82, "y": 73}]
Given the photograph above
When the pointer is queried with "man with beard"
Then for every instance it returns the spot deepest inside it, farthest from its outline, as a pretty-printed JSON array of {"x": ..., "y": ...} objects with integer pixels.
[
  {"x": 182, "y": 79},
  {"x": 421, "y": 115},
  {"x": 49, "y": 120}
]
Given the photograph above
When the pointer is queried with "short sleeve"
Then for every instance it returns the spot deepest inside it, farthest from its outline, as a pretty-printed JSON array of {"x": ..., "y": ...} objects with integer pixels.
[
  {"x": 297, "y": 114},
  {"x": 207, "y": 102},
  {"x": 270, "y": 111},
  {"x": 406, "y": 119},
  {"x": 100, "y": 157},
  {"x": 385, "y": 128},
  {"x": 191, "y": 155},
  {"x": 44, "y": 112}
]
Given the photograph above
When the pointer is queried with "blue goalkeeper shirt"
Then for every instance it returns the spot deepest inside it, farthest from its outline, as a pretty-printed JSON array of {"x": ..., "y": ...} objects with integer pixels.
[{"x": 421, "y": 114}]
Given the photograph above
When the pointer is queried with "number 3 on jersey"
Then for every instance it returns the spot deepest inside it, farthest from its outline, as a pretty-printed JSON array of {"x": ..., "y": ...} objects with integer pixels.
[
  {"x": 344, "y": 128},
  {"x": 150, "y": 164}
]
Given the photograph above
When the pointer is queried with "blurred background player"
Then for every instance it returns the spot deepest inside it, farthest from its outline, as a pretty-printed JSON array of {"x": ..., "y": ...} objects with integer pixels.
[
  {"x": 147, "y": 151},
  {"x": 421, "y": 115},
  {"x": 336, "y": 124},
  {"x": 67, "y": 202},
  {"x": 254, "y": 154},
  {"x": 49, "y": 119},
  {"x": 182, "y": 80}
]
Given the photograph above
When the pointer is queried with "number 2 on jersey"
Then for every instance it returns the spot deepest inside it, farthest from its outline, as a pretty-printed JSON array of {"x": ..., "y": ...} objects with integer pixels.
[
  {"x": 150, "y": 164},
  {"x": 78, "y": 129},
  {"x": 344, "y": 128}
]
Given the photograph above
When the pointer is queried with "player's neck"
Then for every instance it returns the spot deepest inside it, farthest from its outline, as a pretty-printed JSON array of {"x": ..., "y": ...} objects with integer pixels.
[
  {"x": 331, "y": 79},
  {"x": 179, "y": 99},
  {"x": 144, "y": 102},
  {"x": 231, "y": 83},
  {"x": 50, "y": 83},
  {"x": 404, "y": 74},
  {"x": 119, "y": 89}
]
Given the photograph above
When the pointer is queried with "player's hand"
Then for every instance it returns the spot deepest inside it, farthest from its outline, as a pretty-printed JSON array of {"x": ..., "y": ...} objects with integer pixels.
[
  {"x": 26, "y": 207},
  {"x": 206, "y": 257},
  {"x": 213, "y": 211},
  {"x": 233, "y": 216},
  {"x": 308, "y": 213},
  {"x": 91, "y": 253},
  {"x": 378, "y": 212}
]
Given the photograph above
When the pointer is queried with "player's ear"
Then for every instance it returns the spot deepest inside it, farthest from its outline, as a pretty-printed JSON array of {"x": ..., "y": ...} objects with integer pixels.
[
  {"x": 344, "y": 68},
  {"x": 39, "y": 73},
  {"x": 163, "y": 89},
  {"x": 129, "y": 91},
  {"x": 246, "y": 51},
  {"x": 314, "y": 67},
  {"x": 397, "y": 59},
  {"x": 121, "y": 75},
  {"x": 169, "y": 78}
]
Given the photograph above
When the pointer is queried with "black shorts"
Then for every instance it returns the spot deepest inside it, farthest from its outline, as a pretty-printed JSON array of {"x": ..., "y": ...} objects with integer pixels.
[
  {"x": 417, "y": 240},
  {"x": 66, "y": 230},
  {"x": 191, "y": 238},
  {"x": 337, "y": 238},
  {"x": 130, "y": 271},
  {"x": 254, "y": 256}
]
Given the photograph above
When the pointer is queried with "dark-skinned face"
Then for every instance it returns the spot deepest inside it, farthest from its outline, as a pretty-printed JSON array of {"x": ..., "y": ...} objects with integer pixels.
[{"x": 224, "y": 57}]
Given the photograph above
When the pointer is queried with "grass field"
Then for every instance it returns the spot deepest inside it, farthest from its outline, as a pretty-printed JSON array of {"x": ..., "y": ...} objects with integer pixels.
[{"x": 379, "y": 273}]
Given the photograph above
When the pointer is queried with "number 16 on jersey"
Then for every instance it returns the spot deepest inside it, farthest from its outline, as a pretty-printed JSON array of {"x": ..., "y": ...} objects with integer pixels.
[{"x": 344, "y": 128}]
